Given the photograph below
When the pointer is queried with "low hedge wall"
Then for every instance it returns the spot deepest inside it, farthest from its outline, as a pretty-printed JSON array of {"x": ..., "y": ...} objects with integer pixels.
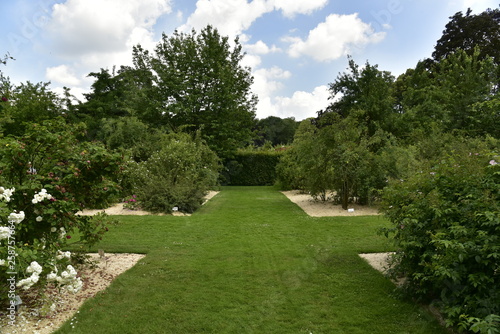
[{"x": 252, "y": 168}]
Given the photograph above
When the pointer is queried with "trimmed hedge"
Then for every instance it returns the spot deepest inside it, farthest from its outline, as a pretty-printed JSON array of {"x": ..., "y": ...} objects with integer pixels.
[{"x": 252, "y": 168}]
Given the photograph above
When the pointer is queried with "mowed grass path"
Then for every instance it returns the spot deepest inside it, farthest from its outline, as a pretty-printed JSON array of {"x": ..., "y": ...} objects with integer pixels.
[{"x": 249, "y": 261}]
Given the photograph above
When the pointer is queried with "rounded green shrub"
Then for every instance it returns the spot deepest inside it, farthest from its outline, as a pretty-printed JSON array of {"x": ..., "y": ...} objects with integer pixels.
[{"x": 177, "y": 176}]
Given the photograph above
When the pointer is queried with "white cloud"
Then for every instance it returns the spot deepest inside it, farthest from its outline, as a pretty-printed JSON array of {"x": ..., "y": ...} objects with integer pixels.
[
  {"x": 267, "y": 81},
  {"x": 78, "y": 93},
  {"x": 251, "y": 61},
  {"x": 233, "y": 17},
  {"x": 261, "y": 48},
  {"x": 93, "y": 26},
  {"x": 62, "y": 74},
  {"x": 97, "y": 34},
  {"x": 230, "y": 17},
  {"x": 273, "y": 73},
  {"x": 302, "y": 104},
  {"x": 291, "y": 8},
  {"x": 338, "y": 36},
  {"x": 477, "y": 6},
  {"x": 267, "y": 84}
]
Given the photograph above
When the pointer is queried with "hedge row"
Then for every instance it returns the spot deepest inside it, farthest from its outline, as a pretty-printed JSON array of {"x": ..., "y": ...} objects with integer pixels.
[{"x": 252, "y": 168}]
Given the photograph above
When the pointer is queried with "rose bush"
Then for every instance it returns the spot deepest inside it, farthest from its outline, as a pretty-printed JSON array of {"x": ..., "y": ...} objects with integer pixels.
[
  {"x": 47, "y": 175},
  {"x": 446, "y": 225},
  {"x": 35, "y": 263}
]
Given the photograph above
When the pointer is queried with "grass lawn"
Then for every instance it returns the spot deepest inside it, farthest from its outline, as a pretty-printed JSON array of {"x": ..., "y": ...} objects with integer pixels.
[{"x": 249, "y": 261}]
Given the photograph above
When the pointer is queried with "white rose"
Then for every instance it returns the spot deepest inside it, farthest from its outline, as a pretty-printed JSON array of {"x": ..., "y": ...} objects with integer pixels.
[{"x": 4, "y": 232}]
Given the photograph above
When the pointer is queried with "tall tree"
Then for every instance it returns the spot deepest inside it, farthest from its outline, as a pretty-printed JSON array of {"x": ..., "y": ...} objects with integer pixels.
[
  {"x": 201, "y": 85},
  {"x": 275, "y": 130},
  {"x": 367, "y": 89},
  {"x": 469, "y": 31},
  {"x": 27, "y": 103},
  {"x": 446, "y": 95},
  {"x": 106, "y": 98},
  {"x": 355, "y": 129},
  {"x": 466, "y": 79}
]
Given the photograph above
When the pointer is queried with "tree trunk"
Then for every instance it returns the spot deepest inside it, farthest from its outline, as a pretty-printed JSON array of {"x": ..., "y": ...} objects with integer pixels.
[{"x": 345, "y": 195}]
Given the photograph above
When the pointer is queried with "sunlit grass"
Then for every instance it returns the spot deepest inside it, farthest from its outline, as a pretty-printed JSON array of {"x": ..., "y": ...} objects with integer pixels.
[{"x": 249, "y": 261}]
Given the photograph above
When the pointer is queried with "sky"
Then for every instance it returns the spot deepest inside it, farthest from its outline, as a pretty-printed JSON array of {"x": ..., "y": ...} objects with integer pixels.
[{"x": 295, "y": 48}]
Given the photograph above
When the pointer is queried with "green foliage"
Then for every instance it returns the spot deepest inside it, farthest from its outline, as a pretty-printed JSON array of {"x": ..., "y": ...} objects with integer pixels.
[
  {"x": 446, "y": 222},
  {"x": 49, "y": 159},
  {"x": 131, "y": 136},
  {"x": 486, "y": 117},
  {"x": 251, "y": 167},
  {"x": 468, "y": 31},
  {"x": 51, "y": 156},
  {"x": 275, "y": 130},
  {"x": 5, "y": 58},
  {"x": 108, "y": 96},
  {"x": 200, "y": 85},
  {"x": 418, "y": 103},
  {"x": 5, "y": 93},
  {"x": 116, "y": 95},
  {"x": 313, "y": 161},
  {"x": 489, "y": 325},
  {"x": 107, "y": 99},
  {"x": 455, "y": 94},
  {"x": 336, "y": 158},
  {"x": 179, "y": 175},
  {"x": 368, "y": 89},
  {"x": 289, "y": 174},
  {"x": 465, "y": 80},
  {"x": 27, "y": 103}
]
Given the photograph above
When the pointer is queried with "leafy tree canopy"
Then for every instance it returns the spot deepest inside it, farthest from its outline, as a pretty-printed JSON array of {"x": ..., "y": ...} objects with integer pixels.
[
  {"x": 452, "y": 95},
  {"x": 367, "y": 89},
  {"x": 275, "y": 130},
  {"x": 199, "y": 84},
  {"x": 27, "y": 103},
  {"x": 469, "y": 31}
]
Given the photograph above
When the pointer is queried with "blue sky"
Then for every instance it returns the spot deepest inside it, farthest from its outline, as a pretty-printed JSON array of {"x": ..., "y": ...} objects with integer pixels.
[{"x": 294, "y": 47}]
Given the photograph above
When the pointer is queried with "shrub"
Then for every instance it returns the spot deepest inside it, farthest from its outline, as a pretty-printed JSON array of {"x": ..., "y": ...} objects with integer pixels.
[
  {"x": 308, "y": 164},
  {"x": 179, "y": 175},
  {"x": 131, "y": 136},
  {"x": 51, "y": 156},
  {"x": 47, "y": 176},
  {"x": 447, "y": 227},
  {"x": 288, "y": 171},
  {"x": 335, "y": 156}
]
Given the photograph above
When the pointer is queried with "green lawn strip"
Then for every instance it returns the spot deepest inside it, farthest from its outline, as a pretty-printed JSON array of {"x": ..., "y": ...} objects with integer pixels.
[{"x": 249, "y": 261}]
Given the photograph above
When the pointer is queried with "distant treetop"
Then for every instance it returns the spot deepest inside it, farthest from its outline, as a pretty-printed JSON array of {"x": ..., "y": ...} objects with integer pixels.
[{"x": 469, "y": 31}]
